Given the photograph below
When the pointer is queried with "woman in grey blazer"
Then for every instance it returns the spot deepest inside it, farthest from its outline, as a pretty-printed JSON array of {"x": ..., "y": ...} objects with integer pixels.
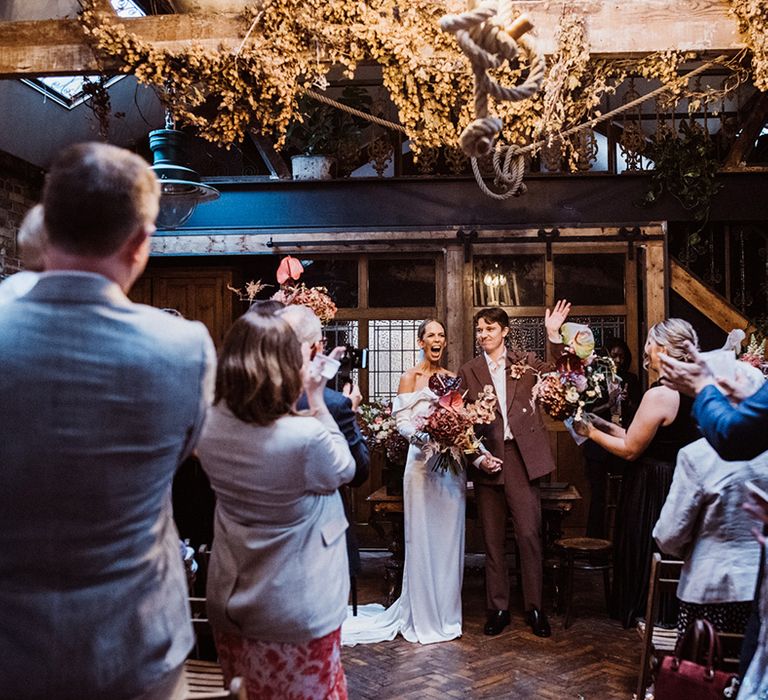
[
  {"x": 278, "y": 583},
  {"x": 703, "y": 523}
]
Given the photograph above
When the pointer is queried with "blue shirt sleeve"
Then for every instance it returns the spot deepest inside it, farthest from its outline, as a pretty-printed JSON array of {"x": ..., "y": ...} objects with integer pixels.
[{"x": 736, "y": 432}]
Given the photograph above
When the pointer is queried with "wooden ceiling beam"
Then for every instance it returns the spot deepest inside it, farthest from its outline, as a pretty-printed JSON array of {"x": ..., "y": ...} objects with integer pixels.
[
  {"x": 614, "y": 28},
  {"x": 755, "y": 116}
]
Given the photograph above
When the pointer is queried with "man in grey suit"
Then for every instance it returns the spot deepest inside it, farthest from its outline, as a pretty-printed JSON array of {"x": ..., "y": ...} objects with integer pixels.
[{"x": 100, "y": 399}]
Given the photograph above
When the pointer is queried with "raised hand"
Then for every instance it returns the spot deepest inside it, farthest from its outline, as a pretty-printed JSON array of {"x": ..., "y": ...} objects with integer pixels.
[{"x": 556, "y": 318}]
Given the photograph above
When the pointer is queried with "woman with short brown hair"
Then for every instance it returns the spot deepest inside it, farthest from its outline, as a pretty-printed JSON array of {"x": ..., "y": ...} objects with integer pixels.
[{"x": 277, "y": 584}]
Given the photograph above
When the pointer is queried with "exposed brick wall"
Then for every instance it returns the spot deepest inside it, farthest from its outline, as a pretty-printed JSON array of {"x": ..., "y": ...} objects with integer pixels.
[{"x": 20, "y": 187}]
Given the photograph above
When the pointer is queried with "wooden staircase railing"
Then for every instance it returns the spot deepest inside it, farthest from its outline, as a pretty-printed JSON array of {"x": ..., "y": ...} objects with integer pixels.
[{"x": 717, "y": 308}]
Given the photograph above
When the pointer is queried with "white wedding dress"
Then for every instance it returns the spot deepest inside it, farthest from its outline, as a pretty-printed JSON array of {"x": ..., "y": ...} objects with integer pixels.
[{"x": 429, "y": 607}]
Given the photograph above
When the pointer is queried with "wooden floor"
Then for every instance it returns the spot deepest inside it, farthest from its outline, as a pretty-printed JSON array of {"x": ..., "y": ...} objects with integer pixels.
[{"x": 595, "y": 659}]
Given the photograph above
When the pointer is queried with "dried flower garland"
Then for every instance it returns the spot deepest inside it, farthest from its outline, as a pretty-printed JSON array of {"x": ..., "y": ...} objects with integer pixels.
[
  {"x": 258, "y": 85},
  {"x": 753, "y": 23}
]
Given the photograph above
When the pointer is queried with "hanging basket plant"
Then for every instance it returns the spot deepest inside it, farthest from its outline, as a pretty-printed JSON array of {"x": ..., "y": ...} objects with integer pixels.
[{"x": 685, "y": 166}]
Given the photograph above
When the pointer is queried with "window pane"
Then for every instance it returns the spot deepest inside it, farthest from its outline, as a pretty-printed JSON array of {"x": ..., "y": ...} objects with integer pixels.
[
  {"x": 393, "y": 350},
  {"x": 604, "y": 327},
  {"x": 338, "y": 276},
  {"x": 527, "y": 333},
  {"x": 509, "y": 280},
  {"x": 590, "y": 280},
  {"x": 395, "y": 283},
  {"x": 341, "y": 333}
]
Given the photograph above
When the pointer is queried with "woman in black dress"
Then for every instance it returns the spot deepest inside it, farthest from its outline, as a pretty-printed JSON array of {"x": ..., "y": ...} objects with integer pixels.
[
  {"x": 599, "y": 464},
  {"x": 661, "y": 426}
]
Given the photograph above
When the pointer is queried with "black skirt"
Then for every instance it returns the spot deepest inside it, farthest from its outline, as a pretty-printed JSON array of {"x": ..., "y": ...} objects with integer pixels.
[{"x": 644, "y": 489}]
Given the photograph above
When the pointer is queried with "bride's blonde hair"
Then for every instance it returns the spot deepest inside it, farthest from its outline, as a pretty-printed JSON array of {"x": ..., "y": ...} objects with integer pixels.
[{"x": 672, "y": 335}]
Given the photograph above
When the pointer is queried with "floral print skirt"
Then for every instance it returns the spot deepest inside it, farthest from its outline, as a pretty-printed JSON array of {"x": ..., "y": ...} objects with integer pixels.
[{"x": 284, "y": 671}]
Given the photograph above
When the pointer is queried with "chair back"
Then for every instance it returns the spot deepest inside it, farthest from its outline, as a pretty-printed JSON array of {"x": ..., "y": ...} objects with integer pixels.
[
  {"x": 205, "y": 681},
  {"x": 665, "y": 575},
  {"x": 204, "y": 647},
  {"x": 203, "y": 561}
]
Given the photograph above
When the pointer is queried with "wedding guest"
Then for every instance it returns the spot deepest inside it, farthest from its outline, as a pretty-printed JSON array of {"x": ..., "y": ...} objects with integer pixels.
[
  {"x": 598, "y": 462},
  {"x": 429, "y": 607},
  {"x": 518, "y": 438},
  {"x": 308, "y": 329},
  {"x": 661, "y": 426},
  {"x": 277, "y": 579},
  {"x": 702, "y": 521},
  {"x": 734, "y": 420},
  {"x": 753, "y": 662},
  {"x": 103, "y": 398},
  {"x": 736, "y": 430},
  {"x": 31, "y": 241}
]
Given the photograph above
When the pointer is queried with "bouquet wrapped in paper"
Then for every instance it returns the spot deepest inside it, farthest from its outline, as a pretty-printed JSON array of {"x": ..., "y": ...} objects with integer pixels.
[
  {"x": 450, "y": 425},
  {"x": 581, "y": 379}
]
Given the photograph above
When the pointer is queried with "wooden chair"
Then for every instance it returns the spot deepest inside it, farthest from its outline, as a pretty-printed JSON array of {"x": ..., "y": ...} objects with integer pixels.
[
  {"x": 584, "y": 554},
  {"x": 205, "y": 681},
  {"x": 665, "y": 575},
  {"x": 592, "y": 554},
  {"x": 203, "y": 560},
  {"x": 205, "y": 678}
]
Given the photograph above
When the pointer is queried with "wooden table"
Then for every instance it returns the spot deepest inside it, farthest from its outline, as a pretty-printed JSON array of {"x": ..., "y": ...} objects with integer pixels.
[{"x": 556, "y": 502}]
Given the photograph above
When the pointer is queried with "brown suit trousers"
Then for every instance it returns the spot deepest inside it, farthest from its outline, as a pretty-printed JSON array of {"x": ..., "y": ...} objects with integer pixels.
[{"x": 521, "y": 498}]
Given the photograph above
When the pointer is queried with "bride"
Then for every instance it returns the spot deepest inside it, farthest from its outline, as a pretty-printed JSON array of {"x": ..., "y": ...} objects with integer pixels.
[{"x": 429, "y": 607}]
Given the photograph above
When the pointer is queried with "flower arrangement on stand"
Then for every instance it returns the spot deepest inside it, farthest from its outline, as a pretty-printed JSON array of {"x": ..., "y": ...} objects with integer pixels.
[
  {"x": 291, "y": 291},
  {"x": 450, "y": 425},
  {"x": 580, "y": 379}
]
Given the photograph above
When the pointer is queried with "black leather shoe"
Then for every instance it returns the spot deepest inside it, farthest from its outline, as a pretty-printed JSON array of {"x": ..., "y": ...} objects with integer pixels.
[
  {"x": 496, "y": 622},
  {"x": 538, "y": 622}
]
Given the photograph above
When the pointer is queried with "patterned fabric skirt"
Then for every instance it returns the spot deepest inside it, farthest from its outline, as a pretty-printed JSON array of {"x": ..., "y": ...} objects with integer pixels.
[
  {"x": 283, "y": 671},
  {"x": 725, "y": 617}
]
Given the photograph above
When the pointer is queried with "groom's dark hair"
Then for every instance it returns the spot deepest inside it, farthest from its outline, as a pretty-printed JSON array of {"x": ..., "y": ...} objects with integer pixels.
[{"x": 494, "y": 314}]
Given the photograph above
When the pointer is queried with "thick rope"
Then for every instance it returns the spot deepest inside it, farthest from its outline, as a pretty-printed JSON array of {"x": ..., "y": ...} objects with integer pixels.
[
  {"x": 483, "y": 35},
  {"x": 351, "y": 110}
]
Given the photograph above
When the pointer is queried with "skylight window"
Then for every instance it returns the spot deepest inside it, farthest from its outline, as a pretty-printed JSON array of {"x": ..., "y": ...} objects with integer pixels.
[{"x": 67, "y": 90}]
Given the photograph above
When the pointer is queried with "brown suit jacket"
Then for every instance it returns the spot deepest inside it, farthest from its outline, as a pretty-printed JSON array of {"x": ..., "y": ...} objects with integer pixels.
[{"x": 524, "y": 418}]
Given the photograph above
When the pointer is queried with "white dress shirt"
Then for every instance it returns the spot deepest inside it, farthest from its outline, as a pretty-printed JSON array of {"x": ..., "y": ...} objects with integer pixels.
[{"x": 499, "y": 380}]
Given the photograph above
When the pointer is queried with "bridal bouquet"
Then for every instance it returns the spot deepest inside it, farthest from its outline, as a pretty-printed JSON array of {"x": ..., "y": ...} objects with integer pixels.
[
  {"x": 380, "y": 431},
  {"x": 450, "y": 425},
  {"x": 580, "y": 378}
]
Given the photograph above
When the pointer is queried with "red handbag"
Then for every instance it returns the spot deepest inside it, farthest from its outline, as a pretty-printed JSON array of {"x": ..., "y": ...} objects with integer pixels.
[{"x": 683, "y": 677}]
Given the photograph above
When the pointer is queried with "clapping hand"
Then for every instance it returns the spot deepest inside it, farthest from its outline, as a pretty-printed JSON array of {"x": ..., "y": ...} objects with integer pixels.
[
  {"x": 556, "y": 318},
  {"x": 688, "y": 378},
  {"x": 740, "y": 387}
]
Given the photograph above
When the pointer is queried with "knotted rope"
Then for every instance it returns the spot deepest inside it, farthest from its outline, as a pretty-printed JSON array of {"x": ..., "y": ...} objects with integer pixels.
[{"x": 489, "y": 37}]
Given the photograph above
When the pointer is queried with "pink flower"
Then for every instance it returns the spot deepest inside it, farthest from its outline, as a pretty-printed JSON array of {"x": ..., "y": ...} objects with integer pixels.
[{"x": 290, "y": 268}]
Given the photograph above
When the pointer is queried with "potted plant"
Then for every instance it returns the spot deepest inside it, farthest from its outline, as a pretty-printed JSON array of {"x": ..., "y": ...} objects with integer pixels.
[{"x": 326, "y": 135}]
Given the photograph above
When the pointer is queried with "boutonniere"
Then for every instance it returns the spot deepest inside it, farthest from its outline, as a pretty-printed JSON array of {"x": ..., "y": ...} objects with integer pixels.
[{"x": 518, "y": 369}]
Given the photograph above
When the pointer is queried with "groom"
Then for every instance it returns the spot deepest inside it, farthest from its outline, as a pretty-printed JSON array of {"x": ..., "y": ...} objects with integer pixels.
[{"x": 506, "y": 477}]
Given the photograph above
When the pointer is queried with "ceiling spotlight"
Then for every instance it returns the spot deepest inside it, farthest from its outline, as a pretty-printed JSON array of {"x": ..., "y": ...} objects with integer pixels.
[{"x": 180, "y": 186}]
